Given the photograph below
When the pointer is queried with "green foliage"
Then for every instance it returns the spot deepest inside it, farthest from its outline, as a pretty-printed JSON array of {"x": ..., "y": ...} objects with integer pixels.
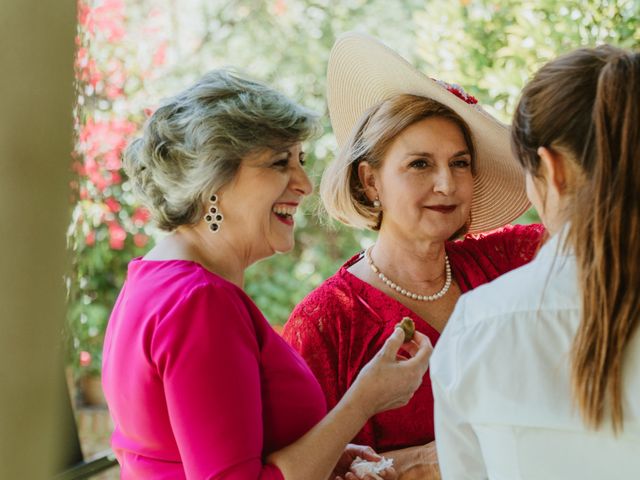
[
  {"x": 492, "y": 48},
  {"x": 151, "y": 49},
  {"x": 98, "y": 273}
]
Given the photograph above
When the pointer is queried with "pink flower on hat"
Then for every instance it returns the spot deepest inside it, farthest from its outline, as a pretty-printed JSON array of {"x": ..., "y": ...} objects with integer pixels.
[{"x": 458, "y": 91}]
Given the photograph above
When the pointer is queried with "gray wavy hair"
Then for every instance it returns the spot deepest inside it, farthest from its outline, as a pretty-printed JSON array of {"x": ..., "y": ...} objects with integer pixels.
[{"x": 194, "y": 142}]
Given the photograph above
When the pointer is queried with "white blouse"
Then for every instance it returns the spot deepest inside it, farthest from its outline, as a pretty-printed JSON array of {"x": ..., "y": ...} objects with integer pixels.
[{"x": 501, "y": 382}]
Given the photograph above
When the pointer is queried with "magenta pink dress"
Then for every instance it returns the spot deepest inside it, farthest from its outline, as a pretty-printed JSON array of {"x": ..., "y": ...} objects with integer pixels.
[
  {"x": 341, "y": 325},
  {"x": 198, "y": 384}
]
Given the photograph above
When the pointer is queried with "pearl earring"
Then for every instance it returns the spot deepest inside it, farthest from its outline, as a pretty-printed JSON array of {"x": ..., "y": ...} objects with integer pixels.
[
  {"x": 213, "y": 216},
  {"x": 376, "y": 203}
]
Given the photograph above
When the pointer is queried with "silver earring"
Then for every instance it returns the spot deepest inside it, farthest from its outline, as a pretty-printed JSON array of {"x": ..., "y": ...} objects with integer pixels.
[
  {"x": 376, "y": 203},
  {"x": 213, "y": 216}
]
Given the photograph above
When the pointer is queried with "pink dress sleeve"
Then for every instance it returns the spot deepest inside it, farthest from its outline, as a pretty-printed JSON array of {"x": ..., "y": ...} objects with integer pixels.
[{"x": 207, "y": 356}]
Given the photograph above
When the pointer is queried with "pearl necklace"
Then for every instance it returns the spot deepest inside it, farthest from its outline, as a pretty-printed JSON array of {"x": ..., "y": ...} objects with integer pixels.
[{"x": 405, "y": 292}]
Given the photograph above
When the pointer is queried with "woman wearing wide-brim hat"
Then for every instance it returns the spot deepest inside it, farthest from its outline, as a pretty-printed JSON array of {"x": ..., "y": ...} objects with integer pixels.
[{"x": 426, "y": 167}]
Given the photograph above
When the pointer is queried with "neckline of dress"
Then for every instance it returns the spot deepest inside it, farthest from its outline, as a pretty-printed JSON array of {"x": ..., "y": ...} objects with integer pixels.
[{"x": 360, "y": 256}]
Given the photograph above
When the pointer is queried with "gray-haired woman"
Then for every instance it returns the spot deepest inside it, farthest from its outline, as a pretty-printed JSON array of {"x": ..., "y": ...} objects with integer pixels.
[{"x": 197, "y": 382}]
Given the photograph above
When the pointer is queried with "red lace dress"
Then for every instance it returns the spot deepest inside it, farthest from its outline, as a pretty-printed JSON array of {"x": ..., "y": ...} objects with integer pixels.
[{"x": 340, "y": 326}]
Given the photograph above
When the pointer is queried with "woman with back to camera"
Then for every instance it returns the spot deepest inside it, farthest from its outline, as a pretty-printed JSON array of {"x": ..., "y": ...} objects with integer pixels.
[
  {"x": 420, "y": 163},
  {"x": 537, "y": 374},
  {"x": 198, "y": 384}
]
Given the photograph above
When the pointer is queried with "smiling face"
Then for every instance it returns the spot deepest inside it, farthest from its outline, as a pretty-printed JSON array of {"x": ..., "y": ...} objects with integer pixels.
[
  {"x": 425, "y": 183},
  {"x": 259, "y": 204}
]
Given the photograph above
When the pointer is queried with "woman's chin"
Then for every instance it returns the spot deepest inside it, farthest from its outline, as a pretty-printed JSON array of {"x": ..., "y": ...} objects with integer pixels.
[
  {"x": 283, "y": 247},
  {"x": 442, "y": 227},
  {"x": 440, "y": 234}
]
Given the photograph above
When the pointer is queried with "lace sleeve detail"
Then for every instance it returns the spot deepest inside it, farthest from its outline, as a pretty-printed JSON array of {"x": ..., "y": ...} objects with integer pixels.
[
  {"x": 506, "y": 248},
  {"x": 312, "y": 331},
  {"x": 522, "y": 242}
]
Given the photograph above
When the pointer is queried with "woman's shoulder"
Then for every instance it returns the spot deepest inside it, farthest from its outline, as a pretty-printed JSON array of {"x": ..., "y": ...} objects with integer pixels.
[
  {"x": 513, "y": 243},
  {"x": 333, "y": 295},
  {"x": 175, "y": 290},
  {"x": 167, "y": 273},
  {"x": 330, "y": 294},
  {"x": 533, "y": 231}
]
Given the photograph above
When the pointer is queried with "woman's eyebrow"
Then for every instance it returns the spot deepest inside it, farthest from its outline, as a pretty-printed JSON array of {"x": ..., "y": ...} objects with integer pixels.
[
  {"x": 420, "y": 154},
  {"x": 430, "y": 155},
  {"x": 461, "y": 153}
]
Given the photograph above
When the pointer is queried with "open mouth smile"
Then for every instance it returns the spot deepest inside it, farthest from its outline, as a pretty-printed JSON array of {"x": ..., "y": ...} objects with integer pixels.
[{"x": 284, "y": 213}]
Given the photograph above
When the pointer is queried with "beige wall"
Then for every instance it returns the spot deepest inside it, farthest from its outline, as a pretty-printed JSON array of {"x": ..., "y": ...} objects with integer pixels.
[{"x": 36, "y": 94}]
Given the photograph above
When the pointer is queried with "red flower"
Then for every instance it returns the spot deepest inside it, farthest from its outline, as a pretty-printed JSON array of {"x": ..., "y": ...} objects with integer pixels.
[
  {"x": 140, "y": 216},
  {"x": 108, "y": 18},
  {"x": 112, "y": 160},
  {"x": 280, "y": 7},
  {"x": 90, "y": 239},
  {"x": 100, "y": 144},
  {"x": 112, "y": 204},
  {"x": 116, "y": 178},
  {"x": 160, "y": 56},
  {"x": 140, "y": 239},
  {"x": 117, "y": 235},
  {"x": 98, "y": 181},
  {"x": 458, "y": 91},
  {"x": 85, "y": 359},
  {"x": 112, "y": 92}
]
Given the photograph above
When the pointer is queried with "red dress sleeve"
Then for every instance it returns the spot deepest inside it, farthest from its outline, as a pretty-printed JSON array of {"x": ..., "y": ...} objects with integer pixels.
[
  {"x": 311, "y": 330},
  {"x": 480, "y": 258},
  {"x": 336, "y": 336},
  {"x": 207, "y": 356},
  {"x": 516, "y": 245}
]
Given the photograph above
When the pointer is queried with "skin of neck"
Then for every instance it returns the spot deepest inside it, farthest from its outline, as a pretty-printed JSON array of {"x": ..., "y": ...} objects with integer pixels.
[
  {"x": 408, "y": 260},
  {"x": 219, "y": 253}
]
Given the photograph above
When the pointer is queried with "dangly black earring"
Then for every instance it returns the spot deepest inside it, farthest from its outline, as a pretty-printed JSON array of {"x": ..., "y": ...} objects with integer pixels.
[{"x": 213, "y": 216}]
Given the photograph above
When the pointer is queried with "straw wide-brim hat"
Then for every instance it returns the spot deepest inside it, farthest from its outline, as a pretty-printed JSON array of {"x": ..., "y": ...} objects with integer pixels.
[{"x": 363, "y": 72}]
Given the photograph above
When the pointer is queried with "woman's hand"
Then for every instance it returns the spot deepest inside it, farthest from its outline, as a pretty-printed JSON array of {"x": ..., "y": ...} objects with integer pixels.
[
  {"x": 416, "y": 463},
  {"x": 352, "y": 451},
  {"x": 389, "y": 380}
]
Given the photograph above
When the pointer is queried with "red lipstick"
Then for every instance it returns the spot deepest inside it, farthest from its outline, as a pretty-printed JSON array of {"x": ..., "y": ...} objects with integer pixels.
[{"x": 443, "y": 208}]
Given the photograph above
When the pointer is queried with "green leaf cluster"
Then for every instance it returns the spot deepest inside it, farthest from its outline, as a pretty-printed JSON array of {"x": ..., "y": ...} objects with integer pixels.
[{"x": 489, "y": 47}]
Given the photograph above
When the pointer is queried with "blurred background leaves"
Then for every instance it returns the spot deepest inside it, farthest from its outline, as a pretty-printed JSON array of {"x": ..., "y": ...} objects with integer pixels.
[{"x": 132, "y": 53}]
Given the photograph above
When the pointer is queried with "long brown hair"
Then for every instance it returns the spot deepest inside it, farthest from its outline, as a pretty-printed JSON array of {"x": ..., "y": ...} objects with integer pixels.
[{"x": 587, "y": 104}]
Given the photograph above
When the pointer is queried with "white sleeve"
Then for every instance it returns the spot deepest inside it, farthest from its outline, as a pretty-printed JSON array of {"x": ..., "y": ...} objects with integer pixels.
[{"x": 459, "y": 453}]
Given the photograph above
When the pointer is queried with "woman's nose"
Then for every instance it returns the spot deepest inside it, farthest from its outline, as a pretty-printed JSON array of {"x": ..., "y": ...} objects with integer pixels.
[
  {"x": 444, "y": 182},
  {"x": 300, "y": 181}
]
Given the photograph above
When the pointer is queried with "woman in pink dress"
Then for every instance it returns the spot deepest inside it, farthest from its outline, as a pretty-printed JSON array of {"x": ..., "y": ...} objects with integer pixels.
[
  {"x": 421, "y": 164},
  {"x": 198, "y": 384}
]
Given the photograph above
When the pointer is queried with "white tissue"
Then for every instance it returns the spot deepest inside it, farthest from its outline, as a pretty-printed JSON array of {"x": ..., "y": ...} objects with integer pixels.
[{"x": 362, "y": 467}]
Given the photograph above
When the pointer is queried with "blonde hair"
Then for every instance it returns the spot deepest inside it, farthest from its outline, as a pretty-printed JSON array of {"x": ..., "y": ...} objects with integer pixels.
[
  {"x": 194, "y": 143},
  {"x": 341, "y": 191}
]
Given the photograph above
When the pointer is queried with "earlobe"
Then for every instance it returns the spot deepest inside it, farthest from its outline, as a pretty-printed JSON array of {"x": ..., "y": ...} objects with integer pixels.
[{"x": 367, "y": 178}]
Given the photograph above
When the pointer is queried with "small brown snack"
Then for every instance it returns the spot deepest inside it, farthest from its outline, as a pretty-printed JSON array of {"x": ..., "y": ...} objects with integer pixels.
[{"x": 408, "y": 327}]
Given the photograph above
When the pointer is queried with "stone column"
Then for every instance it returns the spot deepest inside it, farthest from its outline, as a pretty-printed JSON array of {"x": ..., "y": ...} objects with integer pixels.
[{"x": 36, "y": 98}]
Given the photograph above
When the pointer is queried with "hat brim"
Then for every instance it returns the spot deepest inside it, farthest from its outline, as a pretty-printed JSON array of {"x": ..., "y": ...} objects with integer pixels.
[{"x": 363, "y": 72}]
